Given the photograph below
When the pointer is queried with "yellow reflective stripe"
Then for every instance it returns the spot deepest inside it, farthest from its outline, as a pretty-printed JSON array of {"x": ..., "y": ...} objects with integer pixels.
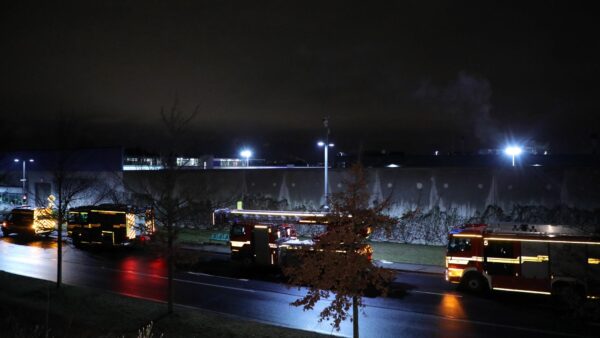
[
  {"x": 463, "y": 260},
  {"x": 467, "y": 235},
  {"x": 534, "y": 259},
  {"x": 517, "y": 260},
  {"x": 108, "y": 212},
  {"x": 239, "y": 244},
  {"x": 503, "y": 260},
  {"x": 523, "y": 291}
]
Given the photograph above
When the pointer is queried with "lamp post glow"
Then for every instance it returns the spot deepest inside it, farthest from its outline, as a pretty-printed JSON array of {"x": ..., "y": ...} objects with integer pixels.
[
  {"x": 246, "y": 154},
  {"x": 24, "y": 179},
  {"x": 513, "y": 151}
]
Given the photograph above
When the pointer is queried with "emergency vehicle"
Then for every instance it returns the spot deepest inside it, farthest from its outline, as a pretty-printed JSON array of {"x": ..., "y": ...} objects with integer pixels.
[
  {"x": 540, "y": 259},
  {"x": 29, "y": 221},
  {"x": 268, "y": 237},
  {"x": 257, "y": 236},
  {"x": 109, "y": 224}
]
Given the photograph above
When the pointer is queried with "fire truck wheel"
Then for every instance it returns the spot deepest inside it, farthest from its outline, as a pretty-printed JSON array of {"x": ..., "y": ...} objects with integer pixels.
[
  {"x": 567, "y": 295},
  {"x": 247, "y": 262},
  {"x": 473, "y": 282},
  {"x": 76, "y": 242},
  {"x": 5, "y": 233}
]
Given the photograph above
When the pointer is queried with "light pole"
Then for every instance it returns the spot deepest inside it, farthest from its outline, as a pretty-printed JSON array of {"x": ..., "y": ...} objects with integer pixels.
[
  {"x": 24, "y": 179},
  {"x": 513, "y": 151},
  {"x": 246, "y": 153},
  {"x": 326, "y": 144}
]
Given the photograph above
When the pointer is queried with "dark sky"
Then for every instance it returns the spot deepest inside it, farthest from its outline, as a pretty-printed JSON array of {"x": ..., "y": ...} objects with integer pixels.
[{"x": 402, "y": 76}]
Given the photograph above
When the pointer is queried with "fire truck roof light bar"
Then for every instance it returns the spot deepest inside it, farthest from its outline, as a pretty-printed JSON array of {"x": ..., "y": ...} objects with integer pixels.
[
  {"x": 540, "y": 240},
  {"x": 277, "y": 213}
]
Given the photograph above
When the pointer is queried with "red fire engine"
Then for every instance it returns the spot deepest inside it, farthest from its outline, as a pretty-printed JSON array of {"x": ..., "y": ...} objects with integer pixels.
[
  {"x": 257, "y": 236},
  {"x": 540, "y": 259}
]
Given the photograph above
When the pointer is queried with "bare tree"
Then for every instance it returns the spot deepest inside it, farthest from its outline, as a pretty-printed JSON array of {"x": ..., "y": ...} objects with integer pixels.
[
  {"x": 340, "y": 266},
  {"x": 165, "y": 190},
  {"x": 69, "y": 184}
]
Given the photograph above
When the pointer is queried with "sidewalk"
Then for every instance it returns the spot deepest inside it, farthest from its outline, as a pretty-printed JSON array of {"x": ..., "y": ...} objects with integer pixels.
[{"x": 406, "y": 267}]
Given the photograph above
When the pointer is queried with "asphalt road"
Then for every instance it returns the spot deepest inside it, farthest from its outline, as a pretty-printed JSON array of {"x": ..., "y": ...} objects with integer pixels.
[{"x": 419, "y": 305}]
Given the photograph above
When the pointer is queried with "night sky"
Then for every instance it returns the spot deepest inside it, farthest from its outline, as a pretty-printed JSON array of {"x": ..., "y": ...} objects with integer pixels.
[{"x": 401, "y": 76}]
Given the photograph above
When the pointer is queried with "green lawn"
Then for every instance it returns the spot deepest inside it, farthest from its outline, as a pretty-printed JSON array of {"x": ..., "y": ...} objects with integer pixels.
[
  {"x": 409, "y": 253},
  {"x": 27, "y": 305},
  {"x": 195, "y": 236}
]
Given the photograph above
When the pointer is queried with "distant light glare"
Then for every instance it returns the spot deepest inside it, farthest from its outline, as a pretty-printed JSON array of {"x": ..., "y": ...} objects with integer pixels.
[
  {"x": 320, "y": 143},
  {"x": 246, "y": 153},
  {"x": 513, "y": 151}
]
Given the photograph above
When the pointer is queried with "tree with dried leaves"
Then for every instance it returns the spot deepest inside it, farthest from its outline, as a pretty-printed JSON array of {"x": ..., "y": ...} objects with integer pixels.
[{"x": 339, "y": 266}]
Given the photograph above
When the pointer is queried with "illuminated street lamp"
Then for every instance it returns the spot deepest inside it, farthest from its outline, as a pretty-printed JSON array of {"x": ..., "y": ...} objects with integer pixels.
[
  {"x": 326, "y": 146},
  {"x": 513, "y": 151},
  {"x": 246, "y": 153},
  {"x": 24, "y": 179}
]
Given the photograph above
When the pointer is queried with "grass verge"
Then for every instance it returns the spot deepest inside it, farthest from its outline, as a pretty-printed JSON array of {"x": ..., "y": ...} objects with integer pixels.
[
  {"x": 32, "y": 307},
  {"x": 409, "y": 253},
  {"x": 393, "y": 252}
]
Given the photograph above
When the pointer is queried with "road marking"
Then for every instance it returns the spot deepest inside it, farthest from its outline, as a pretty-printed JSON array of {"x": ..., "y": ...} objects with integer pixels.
[
  {"x": 436, "y": 293},
  {"x": 182, "y": 280},
  {"x": 209, "y": 275},
  {"x": 213, "y": 285}
]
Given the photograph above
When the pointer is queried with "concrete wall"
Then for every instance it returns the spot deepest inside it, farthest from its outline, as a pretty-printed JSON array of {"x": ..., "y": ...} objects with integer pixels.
[{"x": 467, "y": 190}]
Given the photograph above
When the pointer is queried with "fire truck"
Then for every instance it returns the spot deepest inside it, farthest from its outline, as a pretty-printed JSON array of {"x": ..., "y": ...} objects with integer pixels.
[
  {"x": 109, "y": 224},
  {"x": 269, "y": 238},
  {"x": 29, "y": 221},
  {"x": 539, "y": 259},
  {"x": 258, "y": 236}
]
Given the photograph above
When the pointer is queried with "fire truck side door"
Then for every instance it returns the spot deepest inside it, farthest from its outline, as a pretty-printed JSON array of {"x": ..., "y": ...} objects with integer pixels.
[
  {"x": 262, "y": 253},
  {"x": 501, "y": 262},
  {"x": 535, "y": 265}
]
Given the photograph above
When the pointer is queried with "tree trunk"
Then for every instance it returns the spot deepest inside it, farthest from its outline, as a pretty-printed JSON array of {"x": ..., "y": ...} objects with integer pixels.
[
  {"x": 170, "y": 267},
  {"x": 355, "y": 317},
  {"x": 59, "y": 240}
]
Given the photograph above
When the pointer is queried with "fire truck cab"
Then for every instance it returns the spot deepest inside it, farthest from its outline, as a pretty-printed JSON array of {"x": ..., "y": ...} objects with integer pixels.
[{"x": 539, "y": 259}]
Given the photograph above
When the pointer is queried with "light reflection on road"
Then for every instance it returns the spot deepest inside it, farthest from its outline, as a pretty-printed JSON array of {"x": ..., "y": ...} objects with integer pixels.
[
  {"x": 129, "y": 274},
  {"x": 450, "y": 306},
  {"x": 149, "y": 284}
]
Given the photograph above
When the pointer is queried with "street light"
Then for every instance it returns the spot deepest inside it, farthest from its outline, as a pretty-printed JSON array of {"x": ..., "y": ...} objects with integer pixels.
[
  {"x": 325, "y": 146},
  {"x": 513, "y": 151},
  {"x": 24, "y": 179},
  {"x": 246, "y": 153}
]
